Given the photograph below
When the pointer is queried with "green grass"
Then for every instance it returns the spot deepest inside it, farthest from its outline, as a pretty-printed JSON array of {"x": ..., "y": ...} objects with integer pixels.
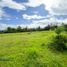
[{"x": 29, "y": 50}]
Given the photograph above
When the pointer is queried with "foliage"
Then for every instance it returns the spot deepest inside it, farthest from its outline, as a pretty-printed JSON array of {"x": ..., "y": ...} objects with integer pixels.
[
  {"x": 65, "y": 27},
  {"x": 59, "y": 30},
  {"x": 58, "y": 43}
]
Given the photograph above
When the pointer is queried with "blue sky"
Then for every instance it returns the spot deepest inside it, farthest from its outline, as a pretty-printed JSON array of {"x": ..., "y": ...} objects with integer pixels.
[{"x": 32, "y": 13}]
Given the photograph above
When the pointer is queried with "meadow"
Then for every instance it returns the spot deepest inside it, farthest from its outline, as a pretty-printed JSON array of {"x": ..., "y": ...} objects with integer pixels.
[{"x": 30, "y": 49}]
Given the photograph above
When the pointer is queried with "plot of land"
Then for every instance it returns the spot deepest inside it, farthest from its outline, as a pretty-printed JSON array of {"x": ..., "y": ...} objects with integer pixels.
[{"x": 29, "y": 50}]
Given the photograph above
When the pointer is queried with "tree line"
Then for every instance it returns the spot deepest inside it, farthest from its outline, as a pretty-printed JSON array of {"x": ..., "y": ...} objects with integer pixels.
[{"x": 26, "y": 29}]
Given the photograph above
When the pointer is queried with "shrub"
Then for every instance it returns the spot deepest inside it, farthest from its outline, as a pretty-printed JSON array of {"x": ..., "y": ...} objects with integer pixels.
[
  {"x": 65, "y": 27},
  {"x": 58, "y": 43},
  {"x": 59, "y": 30}
]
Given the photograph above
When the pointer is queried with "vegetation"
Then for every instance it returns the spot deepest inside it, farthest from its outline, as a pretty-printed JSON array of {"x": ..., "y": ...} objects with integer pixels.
[
  {"x": 48, "y": 27},
  {"x": 59, "y": 41},
  {"x": 30, "y": 49}
]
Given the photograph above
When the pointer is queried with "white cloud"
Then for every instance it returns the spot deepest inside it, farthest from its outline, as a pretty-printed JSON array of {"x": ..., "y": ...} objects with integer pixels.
[
  {"x": 25, "y": 16},
  {"x": 3, "y": 26},
  {"x": 33, "y": 3},
  {"x": 58, "y": 7},
  {"x": 30, "y": 17},
  {"x": 44, "y": 22},
  {"x": 1, "y": 12},
  {"x": 11, "y": 4},
  {"x": 55, "y": 7}
]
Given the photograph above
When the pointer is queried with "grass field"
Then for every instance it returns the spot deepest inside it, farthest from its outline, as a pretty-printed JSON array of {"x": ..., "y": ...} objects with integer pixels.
[{"x": 29, "y": 50}]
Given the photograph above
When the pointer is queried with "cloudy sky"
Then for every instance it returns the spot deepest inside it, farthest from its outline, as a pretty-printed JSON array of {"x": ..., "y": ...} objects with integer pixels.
[{"x": 32, "y": 13}]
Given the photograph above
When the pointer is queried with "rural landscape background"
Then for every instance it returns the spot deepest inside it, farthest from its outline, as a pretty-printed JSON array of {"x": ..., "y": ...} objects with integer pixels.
[{"x": 33, "y": 33}]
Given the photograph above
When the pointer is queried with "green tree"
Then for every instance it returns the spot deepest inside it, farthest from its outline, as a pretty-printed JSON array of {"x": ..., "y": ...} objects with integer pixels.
[
  {"x": 19, "y": 29},
  {"x": 10, "y": 30}
]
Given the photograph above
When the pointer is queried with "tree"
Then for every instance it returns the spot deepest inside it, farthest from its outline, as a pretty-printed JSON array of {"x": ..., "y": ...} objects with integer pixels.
[
  {"x": 9, "y": 30},
  {"x": 19, "y": 29},
  {"x": 25, "y": 29},
  {"x": 48, "y": 27},
  {"x": 38, "y": 28}
]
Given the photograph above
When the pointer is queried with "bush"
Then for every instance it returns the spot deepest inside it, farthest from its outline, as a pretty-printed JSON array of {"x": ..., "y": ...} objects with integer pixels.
[
  {"x": 58, "y": 43},
  {"x": 59, "y": 30}
]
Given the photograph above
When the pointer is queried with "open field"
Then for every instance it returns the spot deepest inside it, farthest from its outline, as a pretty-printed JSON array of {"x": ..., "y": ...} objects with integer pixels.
[{"x": 29, "y": 50}]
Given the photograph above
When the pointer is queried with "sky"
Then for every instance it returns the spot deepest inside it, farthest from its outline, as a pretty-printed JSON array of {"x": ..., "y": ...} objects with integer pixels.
[{"x": 32, "y": 13}]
